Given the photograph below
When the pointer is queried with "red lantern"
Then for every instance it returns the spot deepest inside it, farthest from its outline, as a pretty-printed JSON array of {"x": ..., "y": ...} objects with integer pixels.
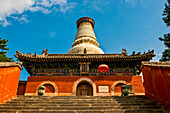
[{"x": 103, "y": 68}]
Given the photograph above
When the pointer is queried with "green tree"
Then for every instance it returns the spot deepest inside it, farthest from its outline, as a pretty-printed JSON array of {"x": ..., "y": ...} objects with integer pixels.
[
  {"x": 3, "y": 57},
  {"x": 166, "y": 38}
]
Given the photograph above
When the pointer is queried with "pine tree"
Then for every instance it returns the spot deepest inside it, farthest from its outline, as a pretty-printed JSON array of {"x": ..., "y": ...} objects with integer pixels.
[
  {"x": 166, "y": 38},
  {"x": 3, "y": 57}
]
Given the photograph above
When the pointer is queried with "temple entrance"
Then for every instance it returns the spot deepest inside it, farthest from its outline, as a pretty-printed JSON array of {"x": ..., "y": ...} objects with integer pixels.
[
  {"x": 49, "y": 88},
  {"x": 117, "y": 89},
  {"x": 84, "y": 89}
]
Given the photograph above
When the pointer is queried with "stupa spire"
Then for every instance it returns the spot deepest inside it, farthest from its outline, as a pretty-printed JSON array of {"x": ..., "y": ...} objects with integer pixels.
[{"x": 85, "y": 38}]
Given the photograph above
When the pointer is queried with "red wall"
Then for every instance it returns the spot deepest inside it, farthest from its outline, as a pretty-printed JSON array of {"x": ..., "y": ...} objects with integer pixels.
[
  {"x": 157, "y": 84},
  {"x": 9, "y": 78},
  {"x": 65, "y": 83},
  {"x": 21, "y": 87}
]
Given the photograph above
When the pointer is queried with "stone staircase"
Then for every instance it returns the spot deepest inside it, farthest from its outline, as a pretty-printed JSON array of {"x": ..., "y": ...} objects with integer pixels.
[{"x": 81, "y": 104}]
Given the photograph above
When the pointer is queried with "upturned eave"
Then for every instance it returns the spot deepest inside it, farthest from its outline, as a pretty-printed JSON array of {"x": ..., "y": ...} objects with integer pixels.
[{"x": 83, "y": 57}]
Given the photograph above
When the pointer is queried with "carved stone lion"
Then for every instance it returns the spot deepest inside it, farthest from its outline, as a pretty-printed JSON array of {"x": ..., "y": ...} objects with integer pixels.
[
  {"x": 124, "y": 90},
  {"x": 41, "y": 90}
]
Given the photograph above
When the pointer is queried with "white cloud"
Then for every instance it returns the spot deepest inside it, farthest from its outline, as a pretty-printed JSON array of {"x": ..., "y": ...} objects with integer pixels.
[
  {"x": 55, "y": 10},
  {"x": 58, "y": 2},
  {"x": 22, "y": 19},
  {"x": 49, "y": 3},
  {"x": 4, "y": 23},
  {"x": 64, "y": 8},
  {"x": 41, "y": 9},
  {"x": 157, "y": 57},
  {"x": 8, "y": 8},
  {"x": 52, "y": 34},
  {"x": 95, "y": 5},
  {"x": 45, "y": 3},
  {"x": 132, "y": 2}
]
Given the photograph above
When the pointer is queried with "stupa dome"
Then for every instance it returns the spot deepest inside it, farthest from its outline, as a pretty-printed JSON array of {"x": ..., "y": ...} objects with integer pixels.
[
  {"x": 85, "y": 40},
  {"x": 90, "y": 49}
]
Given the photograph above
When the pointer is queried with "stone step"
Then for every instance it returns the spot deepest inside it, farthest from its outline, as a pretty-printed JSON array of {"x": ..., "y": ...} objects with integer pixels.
[
  {"x": 88, "y": 102},
  {"x": 85, "y": 97},
  {"x": 84, "y": 111},
  {"x": 139, "y": 96},
  {"x": 77, "y": 99},
  {"x": 94, "y": 101},
  {"x": 81, "y": 97},
  {"x": 78, "y": 107},
  {"x": 77, "y": 104},
  {"x": 85, "y": 101},
  {"x": 81, "y": 104}
]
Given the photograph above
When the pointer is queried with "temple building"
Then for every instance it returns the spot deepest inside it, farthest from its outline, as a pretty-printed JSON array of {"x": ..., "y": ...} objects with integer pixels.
[{"x": 76, "y": 73}]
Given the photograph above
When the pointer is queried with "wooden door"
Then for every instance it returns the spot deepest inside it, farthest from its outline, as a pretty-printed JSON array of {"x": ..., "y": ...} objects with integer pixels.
[
  {"x": 84, "y": 89},
  {"x": 49, "y": 88},
  {"x": 117, "y": 89}
]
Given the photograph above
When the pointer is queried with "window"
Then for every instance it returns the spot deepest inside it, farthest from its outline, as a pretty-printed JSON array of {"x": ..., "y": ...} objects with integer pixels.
[{"x": 84, "y": 67}]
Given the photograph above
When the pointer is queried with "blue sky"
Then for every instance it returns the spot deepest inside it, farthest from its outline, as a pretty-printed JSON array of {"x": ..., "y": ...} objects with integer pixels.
[{"x": 34, "y": 25}]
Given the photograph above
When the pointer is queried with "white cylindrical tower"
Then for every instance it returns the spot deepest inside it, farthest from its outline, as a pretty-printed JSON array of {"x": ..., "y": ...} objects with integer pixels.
[{"x": 85, "y": 41}]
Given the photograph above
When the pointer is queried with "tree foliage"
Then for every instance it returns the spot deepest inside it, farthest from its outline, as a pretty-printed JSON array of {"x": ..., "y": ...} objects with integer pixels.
[
  {"x": 3, "y": 57},
  {"x": 166, "y": 38}
]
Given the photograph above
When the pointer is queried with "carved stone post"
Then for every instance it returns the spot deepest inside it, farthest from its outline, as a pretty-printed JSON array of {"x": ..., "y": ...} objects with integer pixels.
[
  {"x": 124, "y": 90},
  {"x": 41, "y": 90}
]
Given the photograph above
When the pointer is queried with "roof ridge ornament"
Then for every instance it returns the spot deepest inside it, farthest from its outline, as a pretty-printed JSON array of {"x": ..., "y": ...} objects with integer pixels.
[
  {"x": 124, "y": 52},
  {"x": 139, "y": 53},
  {"x": 45, "y": 52}
]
